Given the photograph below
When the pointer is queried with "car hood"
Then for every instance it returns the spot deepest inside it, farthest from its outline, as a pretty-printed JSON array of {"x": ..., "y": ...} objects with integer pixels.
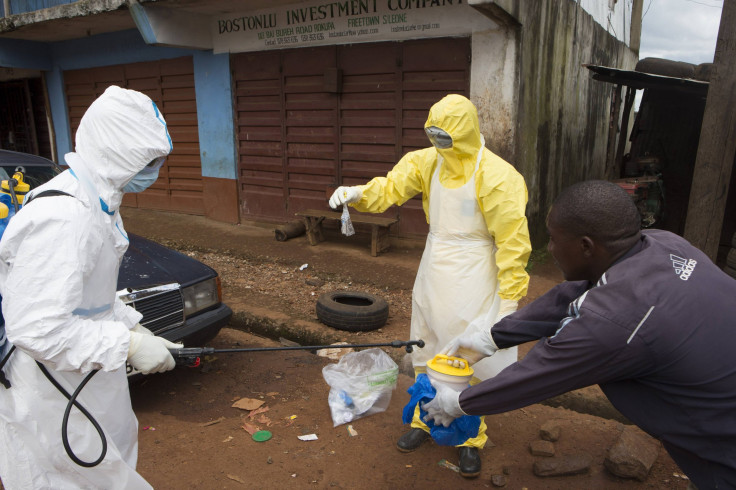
[{"x": 147, "y": 264}]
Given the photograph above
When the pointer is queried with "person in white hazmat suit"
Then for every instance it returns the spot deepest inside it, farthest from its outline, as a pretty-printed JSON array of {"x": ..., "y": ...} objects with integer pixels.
[
  {"x": 59, "y": 261},
  {"x": 472, "y": 272}
]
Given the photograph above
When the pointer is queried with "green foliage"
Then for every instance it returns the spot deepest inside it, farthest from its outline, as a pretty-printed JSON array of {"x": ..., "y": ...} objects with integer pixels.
[{"x": 538, "y": 256}]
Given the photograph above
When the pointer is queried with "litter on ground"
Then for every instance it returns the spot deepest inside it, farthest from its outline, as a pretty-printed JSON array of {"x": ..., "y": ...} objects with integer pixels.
[
  {"x": 212, "y": 422},
  {"x": 236, "y": 478},
  {"x": 248, "y": 404},
  {"x": 258, "y": 411},
  {"x": 447, "y": 464},
  {"x": 250, "y": 428}
]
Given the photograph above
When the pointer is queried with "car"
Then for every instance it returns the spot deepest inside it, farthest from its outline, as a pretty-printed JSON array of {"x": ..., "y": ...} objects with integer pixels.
[{"x": 180, "y": 298}]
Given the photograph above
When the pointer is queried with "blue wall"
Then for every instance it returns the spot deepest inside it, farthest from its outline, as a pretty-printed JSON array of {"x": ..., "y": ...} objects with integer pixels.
[
  {"x": 22, "y": 6},
  {"x": 215, "y": 115},
  {"x": 211, "y": 78},
  {"x": 15, "y": 53}
]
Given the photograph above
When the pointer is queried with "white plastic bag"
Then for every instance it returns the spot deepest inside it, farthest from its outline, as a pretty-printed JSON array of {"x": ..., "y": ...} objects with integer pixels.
[
  {"x": 361, "y": 384},
  {"x": 346, "y": 225}
]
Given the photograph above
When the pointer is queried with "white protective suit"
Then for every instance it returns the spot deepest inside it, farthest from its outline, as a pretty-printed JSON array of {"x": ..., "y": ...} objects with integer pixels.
[{"x": 59, "y": 264}]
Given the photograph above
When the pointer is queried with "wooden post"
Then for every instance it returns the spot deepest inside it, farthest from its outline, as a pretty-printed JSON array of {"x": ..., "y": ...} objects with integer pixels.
[
  {"x": 613, "y": 128},
  {"x": 636, "y": 15},
  {"x": 717, "y": 145},
  {"x": 624, "y": 132}
]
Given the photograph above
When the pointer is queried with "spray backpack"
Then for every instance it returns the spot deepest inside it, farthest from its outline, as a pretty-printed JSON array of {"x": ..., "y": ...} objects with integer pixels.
[{"x": 7, "y": 211}]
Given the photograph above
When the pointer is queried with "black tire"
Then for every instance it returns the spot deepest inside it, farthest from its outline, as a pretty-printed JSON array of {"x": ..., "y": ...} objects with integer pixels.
[
  {"x": 353, "y": 311},
  {"x": 668, "y": 68},
  {"x": 731, "y": 258},
  {"x": 730, "y": 271},
  {"x": 733, "y": 241}
]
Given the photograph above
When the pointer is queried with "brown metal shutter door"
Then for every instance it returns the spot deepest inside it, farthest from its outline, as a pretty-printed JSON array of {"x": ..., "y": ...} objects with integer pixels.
[
  {"x": 431, "y": 69},
  {"x": 370, "y": 113},
  {"x": 170, "y": 84},
  {"x": 314, "y": 118},
  {"x": 259, "y": 108},
  {"x": 287, "y": 131},
  {"x": 310, "y": 126}
]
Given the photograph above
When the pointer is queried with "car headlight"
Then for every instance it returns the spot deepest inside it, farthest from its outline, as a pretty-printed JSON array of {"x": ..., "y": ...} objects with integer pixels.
[{"x": 201, "y": 296}]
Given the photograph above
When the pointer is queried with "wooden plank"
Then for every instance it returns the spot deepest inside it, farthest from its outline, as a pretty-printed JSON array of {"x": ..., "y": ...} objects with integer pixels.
[
  {"x": 355, "y": 218},
  {"x": 717, "y": 146},
  {"x": 313, "y": 219}
]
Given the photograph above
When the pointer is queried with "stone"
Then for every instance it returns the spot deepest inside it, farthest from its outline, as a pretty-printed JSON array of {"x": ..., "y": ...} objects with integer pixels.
[
  {"x": 575, "y": 464},
  {"x": 315, "y": 281},
  {"x": 498, "y": 480},
  {"x": 542, "y": 448},
  {"x": 507, "y": 470},
  {"x": 335, "y": 353},
  {"x": 550, "y": 431},
  {"x": 633, "y": 454}
]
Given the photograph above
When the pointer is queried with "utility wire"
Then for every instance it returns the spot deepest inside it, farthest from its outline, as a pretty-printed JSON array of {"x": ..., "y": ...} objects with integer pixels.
[{"x": 705, "y": 4}]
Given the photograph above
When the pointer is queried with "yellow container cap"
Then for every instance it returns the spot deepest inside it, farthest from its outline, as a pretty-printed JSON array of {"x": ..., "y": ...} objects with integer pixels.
[
  {"x": 20, "y": 189},
  {"x": 449, "y": 365}
]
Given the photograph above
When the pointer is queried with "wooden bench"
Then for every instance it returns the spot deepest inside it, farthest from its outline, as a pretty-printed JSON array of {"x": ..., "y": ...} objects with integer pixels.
[{"x": 313, "y": 219}]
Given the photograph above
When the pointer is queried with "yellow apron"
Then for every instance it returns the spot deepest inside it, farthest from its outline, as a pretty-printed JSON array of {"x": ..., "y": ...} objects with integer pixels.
[{"x": 457, "y": 282}]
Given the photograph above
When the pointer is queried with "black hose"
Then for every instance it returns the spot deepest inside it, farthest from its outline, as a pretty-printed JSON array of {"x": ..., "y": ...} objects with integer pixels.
[
  {"x": 395, "y": 344},
  {"x": 64, "y": 425},
  {"x": 3, "y": 379},
  {"x": 14, "y": 199}
]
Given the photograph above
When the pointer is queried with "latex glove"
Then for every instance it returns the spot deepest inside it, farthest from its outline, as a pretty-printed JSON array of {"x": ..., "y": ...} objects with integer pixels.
[
  {"x": 474, "y": 344},
  {"x": 507, "y": 307},
  {"x": 345, "y": 195},
  {"x": 141, "y": 329},
  {"x": 150, "y": 354},
  {"x": 445, "y": 407}
]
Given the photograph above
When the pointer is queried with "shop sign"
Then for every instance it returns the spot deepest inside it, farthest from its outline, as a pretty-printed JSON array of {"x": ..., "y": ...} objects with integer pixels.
[{"x": 317, "y": 23}]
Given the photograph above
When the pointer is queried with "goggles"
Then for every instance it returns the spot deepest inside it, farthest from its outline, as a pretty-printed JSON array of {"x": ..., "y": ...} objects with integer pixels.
[
  {"x": 439, "y": 137},
  {"x": 154, "y": 166}
]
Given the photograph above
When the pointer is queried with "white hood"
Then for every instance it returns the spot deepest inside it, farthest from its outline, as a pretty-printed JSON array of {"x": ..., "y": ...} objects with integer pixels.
[{"x": 121, "y": 132}]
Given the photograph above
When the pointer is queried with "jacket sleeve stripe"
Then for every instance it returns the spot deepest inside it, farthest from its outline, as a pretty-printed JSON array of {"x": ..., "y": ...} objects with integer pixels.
[{"x": 640, "y": 324}]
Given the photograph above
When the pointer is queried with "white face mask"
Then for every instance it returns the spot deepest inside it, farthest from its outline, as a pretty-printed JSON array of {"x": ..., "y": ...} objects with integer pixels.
[{"x": 141, "y": 181}]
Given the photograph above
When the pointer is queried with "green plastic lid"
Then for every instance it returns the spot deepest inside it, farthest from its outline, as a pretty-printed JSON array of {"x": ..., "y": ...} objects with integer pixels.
[{"x": 262, "y": 435}]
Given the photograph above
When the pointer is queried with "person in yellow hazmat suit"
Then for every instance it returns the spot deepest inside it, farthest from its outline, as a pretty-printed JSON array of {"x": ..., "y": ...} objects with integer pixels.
[{"x": 472, "y": 272}]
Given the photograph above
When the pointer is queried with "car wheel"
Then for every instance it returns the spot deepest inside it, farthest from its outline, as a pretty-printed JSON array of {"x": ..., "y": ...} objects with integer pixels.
[{"x": 353, "y": 311}]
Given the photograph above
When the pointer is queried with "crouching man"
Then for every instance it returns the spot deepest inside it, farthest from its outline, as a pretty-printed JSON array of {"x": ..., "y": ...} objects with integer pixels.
[{"x": 643, "y": 314}]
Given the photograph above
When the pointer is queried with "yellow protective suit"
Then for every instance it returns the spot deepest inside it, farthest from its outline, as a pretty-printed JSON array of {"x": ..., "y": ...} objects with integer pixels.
[
  {"x": 499, "y": 188},
  {"x": 478, "y": 244}
]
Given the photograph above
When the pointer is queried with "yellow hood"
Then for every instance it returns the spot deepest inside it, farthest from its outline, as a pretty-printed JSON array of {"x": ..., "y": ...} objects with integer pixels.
[{"x": 457, "y": 116}]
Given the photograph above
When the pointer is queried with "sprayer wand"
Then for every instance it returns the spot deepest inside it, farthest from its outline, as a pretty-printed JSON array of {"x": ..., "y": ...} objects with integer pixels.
[{"x": 191, "y": 356}]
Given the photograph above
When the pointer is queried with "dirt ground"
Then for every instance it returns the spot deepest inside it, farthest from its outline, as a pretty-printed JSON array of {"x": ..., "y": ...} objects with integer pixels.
[{"x": 191, "y": 436}]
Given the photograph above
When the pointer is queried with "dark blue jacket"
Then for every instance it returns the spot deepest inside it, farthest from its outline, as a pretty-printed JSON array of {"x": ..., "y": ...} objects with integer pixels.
[{"x": 657, "y": 333}]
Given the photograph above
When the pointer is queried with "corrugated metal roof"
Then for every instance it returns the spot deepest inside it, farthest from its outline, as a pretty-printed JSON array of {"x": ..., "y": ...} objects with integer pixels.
[{"x": 640, "y": 80}]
